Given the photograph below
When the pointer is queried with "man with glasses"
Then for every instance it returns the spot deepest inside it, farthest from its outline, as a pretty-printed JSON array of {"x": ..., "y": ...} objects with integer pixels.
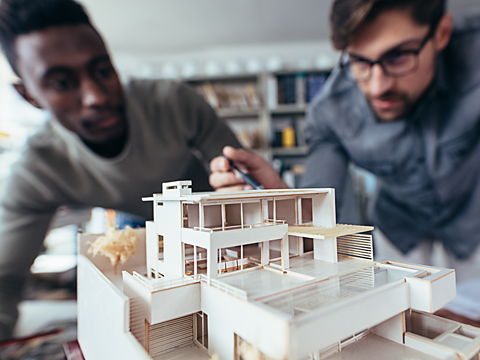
[{"x": 404, "y": 103}]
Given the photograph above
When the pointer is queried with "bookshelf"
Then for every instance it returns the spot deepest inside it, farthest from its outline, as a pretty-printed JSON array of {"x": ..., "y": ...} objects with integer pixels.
[
  {"x": 237, "y": 99},
  {"x": 266, "y": 111}
]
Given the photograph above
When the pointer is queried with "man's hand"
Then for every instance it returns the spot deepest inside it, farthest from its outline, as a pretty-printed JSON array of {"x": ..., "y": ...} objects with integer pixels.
[{"x": 223, "y": 177}]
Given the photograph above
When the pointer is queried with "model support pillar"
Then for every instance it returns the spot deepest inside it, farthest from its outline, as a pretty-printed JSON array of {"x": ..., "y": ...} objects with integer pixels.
[
  {"x": 325, "y": 249},
  {"x": 266, "y": 244},
  {"x": 265, "y": 253},
  {"x": 212, "y": 264},
  {"x": 285, "y": 253},
  {"x": 300, "y": 248},
  {"x": 393, "y": 329},
  {"x": 152, "y": 248}
]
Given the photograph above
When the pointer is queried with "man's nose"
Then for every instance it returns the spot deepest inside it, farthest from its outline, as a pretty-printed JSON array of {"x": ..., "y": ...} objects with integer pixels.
[
  {"x": 93, "y": 94},
  {"x": 379, "y": 83}
]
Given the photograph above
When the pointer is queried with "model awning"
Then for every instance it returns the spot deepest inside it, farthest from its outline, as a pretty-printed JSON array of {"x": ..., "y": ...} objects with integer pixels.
[{"x": 320, "y": 232}]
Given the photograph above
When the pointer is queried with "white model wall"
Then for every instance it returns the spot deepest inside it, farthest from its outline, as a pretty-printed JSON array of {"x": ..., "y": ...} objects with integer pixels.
[
  {"x": 432, "y": 292},
  {"x": 252, "y": 213},
  {"x": 228, "y": 315},
  {"x": 229, "y": 238},
  {"x": 174, "y": 303},
  {"x": 103, "y": 314},
  {"x": 323, "y": 206},
  {"x": 165, "y": 304},
  {"x": 346, "y": 318}
]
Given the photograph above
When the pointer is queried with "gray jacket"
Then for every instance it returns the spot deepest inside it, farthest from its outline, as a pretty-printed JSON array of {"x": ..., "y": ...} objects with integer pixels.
[{"x": 427, "y": 165}]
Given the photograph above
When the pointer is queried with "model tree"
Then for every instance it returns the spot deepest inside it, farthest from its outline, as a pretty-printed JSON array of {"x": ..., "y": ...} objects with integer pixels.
[{"x": 117, "y": 245}]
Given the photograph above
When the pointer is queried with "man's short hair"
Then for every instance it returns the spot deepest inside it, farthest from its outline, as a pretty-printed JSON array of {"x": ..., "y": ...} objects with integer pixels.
[
  {"x": 19, "y": 17},
  {"x": 347, "y": 16}
]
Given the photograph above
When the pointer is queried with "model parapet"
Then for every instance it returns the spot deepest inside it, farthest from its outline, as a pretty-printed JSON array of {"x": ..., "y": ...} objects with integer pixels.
[{"x": 267, "y": 273}]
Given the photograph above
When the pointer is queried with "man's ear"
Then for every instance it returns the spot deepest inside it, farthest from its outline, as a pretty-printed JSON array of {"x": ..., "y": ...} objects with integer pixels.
[
  {"x": 22, "y": 90},
  {"x": 444, "y": 31}
]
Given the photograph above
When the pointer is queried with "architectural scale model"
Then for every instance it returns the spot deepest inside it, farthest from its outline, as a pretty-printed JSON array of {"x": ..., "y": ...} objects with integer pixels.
[{"x": 264, "y": 274}]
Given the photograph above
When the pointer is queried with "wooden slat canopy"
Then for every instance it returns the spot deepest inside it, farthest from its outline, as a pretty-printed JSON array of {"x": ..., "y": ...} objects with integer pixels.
[{"x": 320, "y": 232}]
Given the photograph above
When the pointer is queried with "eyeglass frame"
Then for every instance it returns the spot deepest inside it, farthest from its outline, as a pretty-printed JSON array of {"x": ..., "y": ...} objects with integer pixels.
[{"x": 416, "y": 52}]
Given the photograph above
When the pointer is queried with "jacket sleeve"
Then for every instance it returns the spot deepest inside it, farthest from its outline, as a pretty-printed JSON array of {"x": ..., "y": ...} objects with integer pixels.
[{"x": 327, "y": 161}]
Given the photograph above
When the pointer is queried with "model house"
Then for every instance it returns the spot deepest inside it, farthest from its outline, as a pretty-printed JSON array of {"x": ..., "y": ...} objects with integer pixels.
[{"x": 264, "y": 274}]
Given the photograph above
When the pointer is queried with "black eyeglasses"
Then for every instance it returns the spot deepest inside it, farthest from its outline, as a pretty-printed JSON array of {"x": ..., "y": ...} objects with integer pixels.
[{"x": 395, "y": 63}]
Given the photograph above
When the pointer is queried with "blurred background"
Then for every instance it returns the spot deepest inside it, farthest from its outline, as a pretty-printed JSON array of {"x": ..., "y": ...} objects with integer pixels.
[{"x": 258, "y": 63}]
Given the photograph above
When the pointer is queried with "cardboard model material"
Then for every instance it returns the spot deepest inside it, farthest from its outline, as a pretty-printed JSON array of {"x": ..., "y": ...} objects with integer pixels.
[{"x": 265, "y": 274}]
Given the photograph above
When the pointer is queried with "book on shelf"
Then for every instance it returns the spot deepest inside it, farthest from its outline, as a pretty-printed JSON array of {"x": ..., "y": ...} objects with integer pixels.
[
  {"x": 242, "y": 96},
  {"x": 298, "y": 89},
  {"x": 286, "y": 89},
  {"x": 314, "y": 83}
]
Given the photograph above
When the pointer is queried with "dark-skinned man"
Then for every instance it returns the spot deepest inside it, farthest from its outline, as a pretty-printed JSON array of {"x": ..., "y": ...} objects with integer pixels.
[{"x": 106, "y": 144}]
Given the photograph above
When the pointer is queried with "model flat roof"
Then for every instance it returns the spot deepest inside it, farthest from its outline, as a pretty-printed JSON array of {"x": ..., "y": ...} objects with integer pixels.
[
  {"x": 320, "y": 294},
  {"x": 253, "y": 194}
]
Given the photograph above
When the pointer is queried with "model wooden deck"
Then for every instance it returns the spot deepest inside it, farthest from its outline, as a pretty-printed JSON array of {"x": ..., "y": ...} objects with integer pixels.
[{"x": 320, "y": 232}]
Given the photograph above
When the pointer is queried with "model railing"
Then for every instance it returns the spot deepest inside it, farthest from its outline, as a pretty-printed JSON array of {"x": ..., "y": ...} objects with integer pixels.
[
  {"x": 142, "y": 279},
  {"x": 162, "y": 283},
  {"x": 268, "y": 222},
  {"x": 337, "y": 347},
  {"x": 357, "y": 246},
  {"x": 235, "y": 264},
  {"x": 231, "y": 290}
]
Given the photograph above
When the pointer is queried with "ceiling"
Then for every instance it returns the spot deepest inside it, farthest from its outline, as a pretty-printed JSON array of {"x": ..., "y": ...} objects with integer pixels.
[{"x": 147, "y": 27}]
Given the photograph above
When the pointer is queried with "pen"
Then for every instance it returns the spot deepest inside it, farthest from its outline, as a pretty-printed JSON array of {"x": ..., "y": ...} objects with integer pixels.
[{"x": 245, "y": 176}]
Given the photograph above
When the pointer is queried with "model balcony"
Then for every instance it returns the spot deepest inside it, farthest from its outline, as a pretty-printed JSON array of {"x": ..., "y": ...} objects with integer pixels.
[
  {"x": 232, "y": 236},
  {"x": 268, "y": 222},
  {"x": 235, "y": 235}
]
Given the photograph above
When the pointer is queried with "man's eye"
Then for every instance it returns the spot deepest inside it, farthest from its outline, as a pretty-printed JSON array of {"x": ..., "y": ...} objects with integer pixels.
[
  {"x": 396, "y": 59},
  {"x": 103, "y": 72},
  {"x": 61, "y": 84}
]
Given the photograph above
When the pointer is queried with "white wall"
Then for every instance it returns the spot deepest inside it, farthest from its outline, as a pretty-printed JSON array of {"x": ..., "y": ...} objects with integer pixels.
[
  {"x": 103, "y": 313},
  {"x": 167, "y": 27},
  {"x": 228, "y": 315},
  {"x": 162, "y": 38}
]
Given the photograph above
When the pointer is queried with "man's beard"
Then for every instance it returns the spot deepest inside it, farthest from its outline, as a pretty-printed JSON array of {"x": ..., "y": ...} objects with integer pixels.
[{"x": 401, "y": 109}]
